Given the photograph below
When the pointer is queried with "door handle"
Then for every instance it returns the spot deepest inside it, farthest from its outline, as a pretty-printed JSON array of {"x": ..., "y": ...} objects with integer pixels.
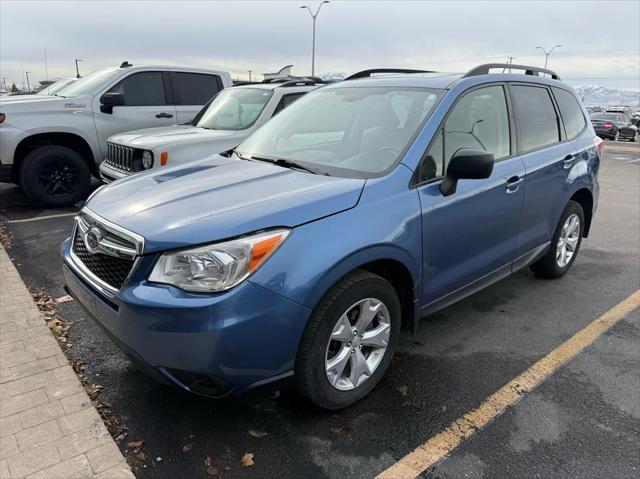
[
  {"x": 568, "y": 161},
  {"x": 164, "y": 115},
  {"x": 513, "y": 184}
]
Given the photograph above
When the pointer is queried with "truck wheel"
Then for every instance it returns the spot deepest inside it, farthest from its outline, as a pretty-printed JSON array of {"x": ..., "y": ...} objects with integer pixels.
[
  {"x": 349, "y": 341},
  {"x": 55, "y": 176},
  {"x": 564, "y": 245}
]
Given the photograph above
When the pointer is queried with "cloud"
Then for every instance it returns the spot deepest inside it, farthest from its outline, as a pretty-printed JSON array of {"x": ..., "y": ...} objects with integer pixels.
[{"x": 351, "y": 35}]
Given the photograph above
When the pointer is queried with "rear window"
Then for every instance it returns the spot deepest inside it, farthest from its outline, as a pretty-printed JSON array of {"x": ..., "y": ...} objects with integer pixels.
[
  {"x": 537, "y": 120},
  {"x": 571, "y": 112},
  {"x": 194, "y": 88},
  {"x": 608, "y": 116}
]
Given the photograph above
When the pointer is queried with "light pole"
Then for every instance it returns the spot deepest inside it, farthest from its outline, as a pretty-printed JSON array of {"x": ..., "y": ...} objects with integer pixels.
[
  {"x": 547, "y": 53},
  {"x": 249, "y": 76},
  {"x": 28, "y": 86},
  {"x": 313, "y": 45},
  {"x": 77, "y": 71}
]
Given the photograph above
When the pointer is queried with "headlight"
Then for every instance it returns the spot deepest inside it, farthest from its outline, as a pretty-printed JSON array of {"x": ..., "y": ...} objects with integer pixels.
[
  {"x": 147, "y": 159},
  {"x": 217, "y": 267}
]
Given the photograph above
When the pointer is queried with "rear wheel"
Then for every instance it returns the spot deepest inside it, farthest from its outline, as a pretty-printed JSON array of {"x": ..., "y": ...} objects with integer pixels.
[
  {"x": 55, "y": 176},
  {"x": 565, "y": 244},
  {"x": 349, "y": 341}
]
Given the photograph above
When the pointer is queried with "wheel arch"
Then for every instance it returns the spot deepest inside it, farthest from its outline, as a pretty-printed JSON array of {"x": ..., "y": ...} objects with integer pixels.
[
  {"x": 584, "y": 198},
  {"x": 70, "y": 140}
]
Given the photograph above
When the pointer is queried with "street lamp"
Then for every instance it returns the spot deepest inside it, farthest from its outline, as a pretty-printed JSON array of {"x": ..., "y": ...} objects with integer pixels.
[
  {"x": 547, "y": 53},
  {"x": 28, "y": 86},
  {"x": 77, "y": 71},
  {"x": 313, "y": 46}
]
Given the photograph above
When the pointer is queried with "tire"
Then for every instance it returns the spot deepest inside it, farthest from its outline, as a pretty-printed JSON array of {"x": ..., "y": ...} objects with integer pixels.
[
  {"x": 316, "y": 349},
  {"x": 55, "y": 176},
  {"x": 550, "y": 266}
]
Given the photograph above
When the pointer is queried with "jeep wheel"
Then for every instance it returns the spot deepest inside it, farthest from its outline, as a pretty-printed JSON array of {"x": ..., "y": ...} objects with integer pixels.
[
  {"x": 349, "y": 341},
  {"x": 55, "y": 176},
  {"x": 564, "y": 245}
]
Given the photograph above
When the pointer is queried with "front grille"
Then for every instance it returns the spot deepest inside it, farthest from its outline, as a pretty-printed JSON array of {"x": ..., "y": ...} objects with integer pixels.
[
  {"x": 111, "y": 270},
  {"x": 109, "y": 263},
  {"x": 122, "y": 157}
]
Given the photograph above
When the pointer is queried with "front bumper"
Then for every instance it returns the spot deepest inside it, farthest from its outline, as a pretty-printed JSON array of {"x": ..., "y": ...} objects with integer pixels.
[
  {"x": 238, "y": 339},
  {"x": 109, "y": 174}
]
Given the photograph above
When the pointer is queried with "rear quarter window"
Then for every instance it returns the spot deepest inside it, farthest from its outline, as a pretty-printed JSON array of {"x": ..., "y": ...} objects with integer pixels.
[
  {"x": 537, "y": 120},
  {"x": 570, "y": 111}
]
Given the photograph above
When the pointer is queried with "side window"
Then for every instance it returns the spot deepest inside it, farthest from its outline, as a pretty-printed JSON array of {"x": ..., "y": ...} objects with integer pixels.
[
  {"x": 479, "y": 121},
  {"x": 570, "y": 111},
  {"x": 287, "y": 100},
  {"x": 537, "y": 119},
  {"x": 142, "y": 89},
  {"x": 194, "y": 88}
]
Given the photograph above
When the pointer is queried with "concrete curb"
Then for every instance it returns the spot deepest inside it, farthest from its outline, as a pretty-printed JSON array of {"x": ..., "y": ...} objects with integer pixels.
[{"x": 49, "y": 428}]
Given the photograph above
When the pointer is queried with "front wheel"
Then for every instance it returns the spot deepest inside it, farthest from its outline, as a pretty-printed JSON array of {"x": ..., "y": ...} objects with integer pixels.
[
  {"x": 349, "y": 341},
  {"x": 565, "y": 244},
  {"x": 55, "y": 176}
]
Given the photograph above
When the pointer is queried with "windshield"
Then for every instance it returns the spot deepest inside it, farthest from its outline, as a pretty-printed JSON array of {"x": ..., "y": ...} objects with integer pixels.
[
  {"x": 608, "y": 116},
  {"x": 345, "y": 131},
  {"x": 90, "y": 83},
  {"x": 54, "y": 88},
  {"x": 233, "y": 109}
]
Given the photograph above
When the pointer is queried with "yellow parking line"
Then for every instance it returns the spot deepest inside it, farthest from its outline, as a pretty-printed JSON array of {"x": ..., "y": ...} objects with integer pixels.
[{"x": 437, "y": 447}]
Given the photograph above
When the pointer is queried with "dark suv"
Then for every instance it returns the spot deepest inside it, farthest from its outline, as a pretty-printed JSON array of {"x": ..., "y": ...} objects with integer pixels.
[{"x": 363, "y": 206}]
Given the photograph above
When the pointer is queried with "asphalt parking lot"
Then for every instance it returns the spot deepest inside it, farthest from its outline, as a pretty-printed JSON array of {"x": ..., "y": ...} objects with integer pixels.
[{"x": 583, "y": 421}]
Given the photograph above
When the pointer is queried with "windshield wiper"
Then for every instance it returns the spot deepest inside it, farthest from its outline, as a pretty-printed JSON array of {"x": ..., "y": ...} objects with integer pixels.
[{"x": 282, "y": 162}]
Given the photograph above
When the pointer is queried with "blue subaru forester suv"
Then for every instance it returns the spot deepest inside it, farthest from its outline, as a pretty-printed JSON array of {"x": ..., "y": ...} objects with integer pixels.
[{"x": 360, "y": 208}]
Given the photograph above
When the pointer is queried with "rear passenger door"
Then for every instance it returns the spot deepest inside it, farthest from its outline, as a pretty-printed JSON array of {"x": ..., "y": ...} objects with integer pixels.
[
  {"x": 145, "y": 106},
  {"x": 191, "y": 91},
  {"x": 548, "y": 158},
  {"x": 469, "y": 238}
]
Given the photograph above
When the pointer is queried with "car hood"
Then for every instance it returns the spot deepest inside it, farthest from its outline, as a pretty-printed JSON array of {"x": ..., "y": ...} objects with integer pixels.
[
  {"x": 18, "y": 98},
  {"x": 151, "y": 138},
  {"x": 218, "y": 198}
]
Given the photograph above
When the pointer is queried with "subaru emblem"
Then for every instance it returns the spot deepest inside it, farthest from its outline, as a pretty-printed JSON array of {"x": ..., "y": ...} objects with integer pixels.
[{"x": 92, "y": 239}]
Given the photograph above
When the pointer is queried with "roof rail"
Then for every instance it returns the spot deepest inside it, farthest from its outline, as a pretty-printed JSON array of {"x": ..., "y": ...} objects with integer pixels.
[
  {"x": 368, "y": 73},
  {"x": 300, "y": 82},
  {"x": 529, "y": 70}
]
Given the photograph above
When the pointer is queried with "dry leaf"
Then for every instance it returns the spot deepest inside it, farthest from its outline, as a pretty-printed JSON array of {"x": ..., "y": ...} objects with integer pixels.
[
  {"x": 247, "y": 459},
  {"x": 64, "y": 299},
  {"x": 135, "y": 444},
  {"x": 256, "y": 433},
  {"x": 212, "y": 470},
  {"x": 208, "y": 462},
  {"x": 187, "y": 447},
  {"x": 403, "y": 390}
]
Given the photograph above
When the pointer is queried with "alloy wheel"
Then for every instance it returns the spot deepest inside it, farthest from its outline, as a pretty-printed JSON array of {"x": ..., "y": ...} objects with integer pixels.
[
  {"x": 58, "y": 178},
  {"x": 568, "y": 240},
  {"x": 357, "y": 344}
]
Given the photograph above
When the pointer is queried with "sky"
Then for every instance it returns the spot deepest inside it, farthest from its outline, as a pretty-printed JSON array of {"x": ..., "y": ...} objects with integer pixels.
[{"x": 600, "y": 40}]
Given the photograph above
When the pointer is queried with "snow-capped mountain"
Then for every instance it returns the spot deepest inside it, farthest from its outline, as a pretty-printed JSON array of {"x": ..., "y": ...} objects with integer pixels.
[{"x": 601, "y": 96}]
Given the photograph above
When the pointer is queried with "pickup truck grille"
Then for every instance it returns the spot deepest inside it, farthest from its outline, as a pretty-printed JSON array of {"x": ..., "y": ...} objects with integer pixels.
[
  {"x": 121, "y": 157},
  {"x": 111, "y": 258}
]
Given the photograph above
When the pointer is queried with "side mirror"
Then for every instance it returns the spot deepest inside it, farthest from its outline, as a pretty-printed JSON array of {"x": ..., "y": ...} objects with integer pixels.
[
  {"x": 466, "y": 164},
  {"x": 109, "y": 100}
]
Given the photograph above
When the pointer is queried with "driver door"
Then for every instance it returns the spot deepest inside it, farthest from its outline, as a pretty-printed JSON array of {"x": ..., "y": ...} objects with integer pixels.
[{"x": 469, "y": 238}]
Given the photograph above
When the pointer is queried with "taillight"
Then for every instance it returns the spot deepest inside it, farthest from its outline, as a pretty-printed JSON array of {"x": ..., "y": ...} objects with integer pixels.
[
  {"x": 599, "y": 144},
  {"x": 607, "y": 125}
]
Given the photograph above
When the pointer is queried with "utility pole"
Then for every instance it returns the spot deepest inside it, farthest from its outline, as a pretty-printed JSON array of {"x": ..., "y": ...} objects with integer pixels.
[
  {"x": 547, "y": 53},
  {"x": 77, "y": 71},
  {"x": 249, "y": 76},
  {"x": 509, "y": 62},
  {"x": 46, "y": 71},
  {"x": 28, "y": 86},
  {"x": 313, "y": 44}
]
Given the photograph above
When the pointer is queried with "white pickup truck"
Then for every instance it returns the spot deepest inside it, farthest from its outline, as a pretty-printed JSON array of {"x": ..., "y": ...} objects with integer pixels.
[
  {"x": 221, "y": 125},
  {"x": 51, "y": 145}
]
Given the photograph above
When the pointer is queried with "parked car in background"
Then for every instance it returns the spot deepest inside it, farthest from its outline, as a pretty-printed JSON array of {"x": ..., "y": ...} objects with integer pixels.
[
  {"x": 625, "y": 110},
  {"x": 51, "y": 145},
  {"x": 614, "y": 126},
  {"x": 221, "y": 125},
  {"x": 361, "y": 207}
]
